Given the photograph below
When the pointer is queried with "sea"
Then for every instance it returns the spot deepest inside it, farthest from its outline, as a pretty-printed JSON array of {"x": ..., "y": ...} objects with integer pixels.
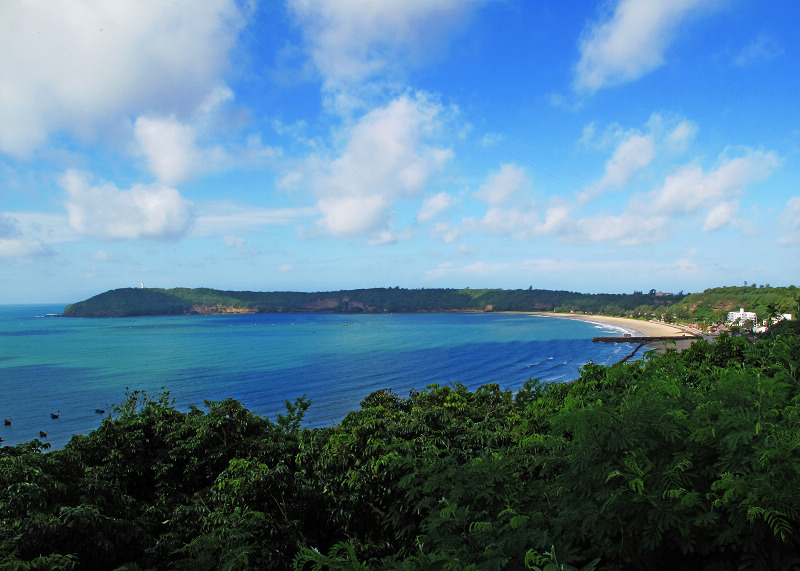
[{"x": 73, "y": 367}]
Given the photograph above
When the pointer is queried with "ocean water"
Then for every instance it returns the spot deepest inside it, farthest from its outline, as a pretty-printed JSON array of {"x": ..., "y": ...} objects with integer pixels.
[{"x": 69, "y": 366}]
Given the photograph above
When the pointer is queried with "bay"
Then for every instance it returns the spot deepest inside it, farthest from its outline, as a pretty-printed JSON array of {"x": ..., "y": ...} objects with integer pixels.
[{"x": 72, "y": 367}]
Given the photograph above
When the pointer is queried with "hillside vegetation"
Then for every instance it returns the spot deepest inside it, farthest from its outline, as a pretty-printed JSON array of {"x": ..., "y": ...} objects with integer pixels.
[
  {"x": 155, "y": 301},
  {"x": 715, "y": 303},
  {"x": 679, "y": 461}
]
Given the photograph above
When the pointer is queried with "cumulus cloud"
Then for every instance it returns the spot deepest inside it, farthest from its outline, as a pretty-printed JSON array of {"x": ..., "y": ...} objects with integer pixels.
[
  {"x": 433, "y": 206},
  {"x": 632, "y": 155},
  {"x": 107, "y": 213},
  {"x": 721, "y": 215},
  {"x": 8, "y": 227},
  {"x": 169, "y": 147},
  {"x": 630, "y": 228},
  {"x": 351, "y": 41},
  {"x": 790, "y": 219},
  {"x": 636, "y": 149},
  {"x": 386, "y": 157},
  {"x": 681, "y": 134},
  {"x": 691, "y": 188},
  {"x": 503, "y": 183},
  {"x": 173, "y": 149},
  {"x": 14, "y": 244},
  {"x": 630, "y": 42},
  {"x": 21, "y": 248},
  {"x": 82, "y": 66}
]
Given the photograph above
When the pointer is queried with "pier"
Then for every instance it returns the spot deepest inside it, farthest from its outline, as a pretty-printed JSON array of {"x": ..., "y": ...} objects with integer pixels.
[{"x": 632, "y": 339}]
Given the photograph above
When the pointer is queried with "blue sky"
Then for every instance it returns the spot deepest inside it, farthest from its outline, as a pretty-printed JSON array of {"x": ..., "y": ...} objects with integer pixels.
[{"x": 315, "y": 145}]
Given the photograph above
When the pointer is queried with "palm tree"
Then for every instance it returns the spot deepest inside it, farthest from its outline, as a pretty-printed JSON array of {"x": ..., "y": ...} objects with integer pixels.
[{"x": 772, "y": 312}]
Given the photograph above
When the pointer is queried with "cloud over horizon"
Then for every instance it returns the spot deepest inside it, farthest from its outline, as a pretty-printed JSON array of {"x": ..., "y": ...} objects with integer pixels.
[
  {"x": 389, "y": 154},
  {"x": 105, "y": 212}
]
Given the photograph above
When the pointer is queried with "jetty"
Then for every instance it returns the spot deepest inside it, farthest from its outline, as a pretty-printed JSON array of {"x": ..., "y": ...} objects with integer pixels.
[{"x": 632, "y": 339}]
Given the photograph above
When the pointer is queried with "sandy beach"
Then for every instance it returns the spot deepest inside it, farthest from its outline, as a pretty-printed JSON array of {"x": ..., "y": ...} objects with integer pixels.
[{"x": 637, "y": 327}]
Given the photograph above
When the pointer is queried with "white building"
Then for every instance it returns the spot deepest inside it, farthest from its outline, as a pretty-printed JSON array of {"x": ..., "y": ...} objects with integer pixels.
[{"x": 739, "y": 317}]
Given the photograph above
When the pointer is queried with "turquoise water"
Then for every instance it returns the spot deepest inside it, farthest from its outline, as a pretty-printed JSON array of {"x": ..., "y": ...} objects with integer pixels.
[{"x": 50, "y": 364}]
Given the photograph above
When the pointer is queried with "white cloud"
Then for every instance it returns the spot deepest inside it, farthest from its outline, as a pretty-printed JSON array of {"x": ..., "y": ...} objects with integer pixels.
[
  {"x": 679, "y": 137},
  {"x": 557, "y": 220},
  {"x": 690, "y": 191},
  {"x": 14, "y": 243},
  {"x": 790, "y": 219},
  {"x": 720, "y": 215},
  {"x": 8, "y": 227},
  {"x": 503, "y": 183},
  {"x": 173, "y": 152},
  {"x": 22, "y": 248},
  {"x": 690, "y": 188},
  {"x": 108, "y": 213},
  {"x": 386, "y": 158},
  {"x": 763, "y": 48},
  {"x": 448, "y": 233},
  {"x": 631, "y": 42},
  {"x": 351, "y": 41},
  {"x": 433, "y": 206},
  {"x": 629, "y": 228},
  {"x": 636, "y": 149},
  {"x": 169, "y": 146},
  {"x": 233, "y": 242},
  {"x": 509, "y": 220},
  {"x": 82, "y": 66},
  {"x": 222, "y": 218},
  {"x": 632, "y": 155}
]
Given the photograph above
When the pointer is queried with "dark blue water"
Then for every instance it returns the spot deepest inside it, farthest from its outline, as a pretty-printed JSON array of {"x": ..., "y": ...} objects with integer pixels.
[{"x": 51, "y": 364}]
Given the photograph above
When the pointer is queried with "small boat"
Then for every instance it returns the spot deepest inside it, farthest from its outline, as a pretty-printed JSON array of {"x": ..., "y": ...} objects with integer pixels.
[
  {"x": 55, "y": 414},
  {"x": 7, "y": 422},
  {"x": 100, "y": 410},
  {"x": 42, "y": 434}
]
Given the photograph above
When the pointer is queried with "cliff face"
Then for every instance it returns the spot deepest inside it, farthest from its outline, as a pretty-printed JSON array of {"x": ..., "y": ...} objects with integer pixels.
[{"x": 217, "y": 309}]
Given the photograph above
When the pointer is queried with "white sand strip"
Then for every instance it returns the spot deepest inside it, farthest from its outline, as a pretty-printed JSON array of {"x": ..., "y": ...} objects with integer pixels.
[{"x": 638, "y": 327}]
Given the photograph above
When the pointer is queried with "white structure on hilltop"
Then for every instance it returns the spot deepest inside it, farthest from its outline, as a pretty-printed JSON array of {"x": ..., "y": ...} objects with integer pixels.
[
  {"x": 739, "y": 317},
  {"x": 772, "y": 321}
]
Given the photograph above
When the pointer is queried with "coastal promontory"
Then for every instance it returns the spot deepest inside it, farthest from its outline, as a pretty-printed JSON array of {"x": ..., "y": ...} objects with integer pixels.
[{"x": 130, "y": 302}]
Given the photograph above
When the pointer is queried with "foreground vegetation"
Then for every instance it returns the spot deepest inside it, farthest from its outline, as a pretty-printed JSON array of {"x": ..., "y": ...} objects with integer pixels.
[{"x": 681, "y": 460}]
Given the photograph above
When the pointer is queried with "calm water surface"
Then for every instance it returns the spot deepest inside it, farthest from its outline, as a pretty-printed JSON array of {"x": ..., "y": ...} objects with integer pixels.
[{"x": 51, "y": 364}]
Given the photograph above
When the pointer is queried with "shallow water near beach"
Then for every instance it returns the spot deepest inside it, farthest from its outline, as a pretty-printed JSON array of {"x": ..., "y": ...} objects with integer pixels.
[{"x": 72, "y": 367}]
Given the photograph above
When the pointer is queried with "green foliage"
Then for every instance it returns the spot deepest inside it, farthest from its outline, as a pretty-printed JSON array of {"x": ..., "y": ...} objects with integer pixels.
[
  {"x": 680, "y": 460},
  {"x": 156, "y": 301},
  {"x": 714, "y": 304}
]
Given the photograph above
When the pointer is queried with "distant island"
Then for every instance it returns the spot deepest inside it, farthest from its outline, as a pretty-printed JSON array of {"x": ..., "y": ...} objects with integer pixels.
[
  {"x": 129, "y": 302},
  {"x": 709, "y": 306}
]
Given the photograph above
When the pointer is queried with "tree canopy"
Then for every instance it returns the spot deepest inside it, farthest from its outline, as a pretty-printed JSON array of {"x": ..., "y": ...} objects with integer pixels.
[
  {"x": 156, "y": 301},
  {"x": 680, "y": 460}
]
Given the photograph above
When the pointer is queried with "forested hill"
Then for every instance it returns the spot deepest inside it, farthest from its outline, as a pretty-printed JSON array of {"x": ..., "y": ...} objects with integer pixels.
[
  {"x": 178, "y": 301},
  {"x": 715, "y": 303}
]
